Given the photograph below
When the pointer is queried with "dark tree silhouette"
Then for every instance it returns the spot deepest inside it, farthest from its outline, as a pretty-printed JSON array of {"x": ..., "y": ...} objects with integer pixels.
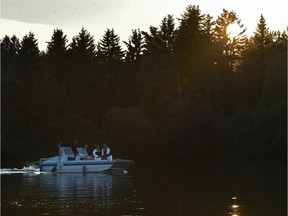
[
  {"x": 109, "y": 50},
  {"x": 57, "y": 56},
  {"x": 262, "y": 37},
  {"x": 134, "y": 46},
  {"x": 230, "y": 47},
  {"x": 255, "y": 61},
  {"x": 83, "y": 45},
  {"x": 9, "y": 52},
  {"x": 81, "y": 70},
  {"x": 188, "y": 86},
  {"x": 29, "y": 51}
]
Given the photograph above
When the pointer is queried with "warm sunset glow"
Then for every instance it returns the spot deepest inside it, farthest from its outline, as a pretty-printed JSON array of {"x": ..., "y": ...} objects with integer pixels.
[{"x": 233, "y": 30}]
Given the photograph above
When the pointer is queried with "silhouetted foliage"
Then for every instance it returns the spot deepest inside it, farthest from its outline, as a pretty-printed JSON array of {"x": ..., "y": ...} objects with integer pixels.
[
  {"x": 57, "y": 56},
  {"x": 134, "y": 47},
  {"x": 255, "y": 60},
  {"x": 230, "y": 47},
  {"x": 82, "y": 70},
  {"x": 109, "y": 50},
  {"x": 158, "y": 75},
  {"x": 275, "y": 82},
  {"x": 127, "y": 129},
  {"x": 9, "y": 52},
  {"x": 187, "y": 91}
]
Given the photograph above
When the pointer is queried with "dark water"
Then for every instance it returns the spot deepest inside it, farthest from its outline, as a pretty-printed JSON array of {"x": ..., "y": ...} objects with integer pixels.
[{"x": 151, "y": 188}]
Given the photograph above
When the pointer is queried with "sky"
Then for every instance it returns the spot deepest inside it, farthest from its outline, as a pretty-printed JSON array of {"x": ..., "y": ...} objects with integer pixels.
[{"x": 41, "y": 17}]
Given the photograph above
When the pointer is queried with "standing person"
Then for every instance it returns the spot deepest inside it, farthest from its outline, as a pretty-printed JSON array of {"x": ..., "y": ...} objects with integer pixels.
[
  {"x": 106, "y": 153},
  {"x": 97, "y": 153}
]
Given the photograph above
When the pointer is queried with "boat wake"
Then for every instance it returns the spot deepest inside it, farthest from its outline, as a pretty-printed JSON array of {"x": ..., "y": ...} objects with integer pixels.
[{"x": 25, "y": 169}]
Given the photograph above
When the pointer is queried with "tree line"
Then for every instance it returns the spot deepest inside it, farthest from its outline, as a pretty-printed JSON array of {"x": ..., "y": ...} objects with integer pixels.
[{"x": 186, "y": 91}]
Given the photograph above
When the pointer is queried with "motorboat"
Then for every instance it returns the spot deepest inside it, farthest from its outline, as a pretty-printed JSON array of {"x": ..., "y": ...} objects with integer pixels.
[{"x": 69, "y": 162}]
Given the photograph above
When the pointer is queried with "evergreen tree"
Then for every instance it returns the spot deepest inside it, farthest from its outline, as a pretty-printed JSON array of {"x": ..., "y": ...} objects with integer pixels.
[
  {"x": 192, "y": 50},
  {"x": 230, "y": 48},
  {"x": 262, "y": 37},
  {"x": 109, "y": 50},
  {"x": 114, "y": 77},
  {"x": 208, "y": 43},
  {"x": 9, "y": 52},
  {"x": 81, "y": 72},
  {"x": 134, "y": 46},
  {"x": 150, "y": 40},
  {"x": 255, "y": 60},
  {"x": 190, "y": 32},
  {"x": 161, "y": 41},
  {"x": 12, "y": 120},
  {"x": 58, "y": 44},
  {"x": 158, "y": 76},
  {"x": 83, "y": 46},
  {"x": 57, "y": 55},
  {"x": 29, "y": 51},
  {"x": 133, "y": 59},
  {"x": 29, "y": 74},
  {"x": 167, "y": 34},
  {"x": 279, "y": 41}
]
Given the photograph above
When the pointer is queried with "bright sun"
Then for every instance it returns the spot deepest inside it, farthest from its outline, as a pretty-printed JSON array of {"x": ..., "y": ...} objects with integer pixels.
[{"x": 233, "y": 30}]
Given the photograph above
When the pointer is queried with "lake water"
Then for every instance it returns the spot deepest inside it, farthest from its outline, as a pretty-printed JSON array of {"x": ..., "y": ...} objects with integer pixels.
[{"x": 151, "y": 188}]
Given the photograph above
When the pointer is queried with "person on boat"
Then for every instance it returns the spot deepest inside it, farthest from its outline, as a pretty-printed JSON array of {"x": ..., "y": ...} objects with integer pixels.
[
  {"x": 97, "y": 153},
  {"x": 106, "y": 153},
  {"x": 85, "y": 147},
  {"x": 88, "y": 157},
  {"x": 74, "y": 148}
]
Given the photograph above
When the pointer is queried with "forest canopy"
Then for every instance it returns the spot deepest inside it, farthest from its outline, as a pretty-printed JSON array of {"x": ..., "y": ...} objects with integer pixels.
[{"x": 187, "y": 91}]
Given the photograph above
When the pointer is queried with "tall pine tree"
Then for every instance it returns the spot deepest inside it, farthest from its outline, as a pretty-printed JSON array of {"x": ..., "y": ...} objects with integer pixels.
[
  {"x": 109, "y": 50},
  {"x": 57, "y": 56},
  {"x": 255, "y": 60},
  {"x": 134, "y": 46},
  {"x": 81, "y": 71},
  {"x": 230, "y": 47}
]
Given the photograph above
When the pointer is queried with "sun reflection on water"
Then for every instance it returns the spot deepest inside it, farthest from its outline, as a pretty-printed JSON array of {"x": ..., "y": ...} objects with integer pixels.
[{"x": 234, "y": 207}]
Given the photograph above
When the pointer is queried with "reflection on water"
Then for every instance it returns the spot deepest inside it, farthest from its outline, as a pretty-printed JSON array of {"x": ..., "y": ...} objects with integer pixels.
[
  {"x": 234, "y": 207},
  {"x": 65, "y": 194},
  {"x": 156, "y": 188},
  {"x": 76, "y": 191}
]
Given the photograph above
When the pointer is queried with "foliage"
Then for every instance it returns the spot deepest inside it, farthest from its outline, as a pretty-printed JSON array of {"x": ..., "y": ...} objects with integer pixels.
[
  {"x": 230, "y": 47},
  {"x": 186, "y": 91},
  {"x": 109, "y": 49},
  {"x": 57, "y": 56},
  {"x": 275, "y": 82},
  {"x": 127, "y": 129},
  {"x": 134, "y": 46}
]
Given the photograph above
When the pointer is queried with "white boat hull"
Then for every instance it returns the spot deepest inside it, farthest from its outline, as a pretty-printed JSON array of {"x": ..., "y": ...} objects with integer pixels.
[{"x": 76, "y": 167}]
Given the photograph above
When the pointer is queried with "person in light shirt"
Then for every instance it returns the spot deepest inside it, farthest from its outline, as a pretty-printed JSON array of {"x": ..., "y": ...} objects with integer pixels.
[
  {"x": 97, "y": 153},
  {"x": 106, "y": 153}
]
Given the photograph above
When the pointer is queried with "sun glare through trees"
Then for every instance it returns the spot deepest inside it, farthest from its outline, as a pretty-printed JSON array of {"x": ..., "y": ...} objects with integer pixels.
[{"x": 233, "y": 30}]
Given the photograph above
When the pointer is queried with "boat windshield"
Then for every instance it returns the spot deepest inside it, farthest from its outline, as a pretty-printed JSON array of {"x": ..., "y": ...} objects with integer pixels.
[
  {"x": 82, "y": 152},
  {"x": 67, "y": 151}
]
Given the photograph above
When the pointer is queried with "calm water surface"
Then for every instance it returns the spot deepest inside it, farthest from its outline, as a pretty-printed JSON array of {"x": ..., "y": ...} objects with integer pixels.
[{"x": 151, "y": 188}]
